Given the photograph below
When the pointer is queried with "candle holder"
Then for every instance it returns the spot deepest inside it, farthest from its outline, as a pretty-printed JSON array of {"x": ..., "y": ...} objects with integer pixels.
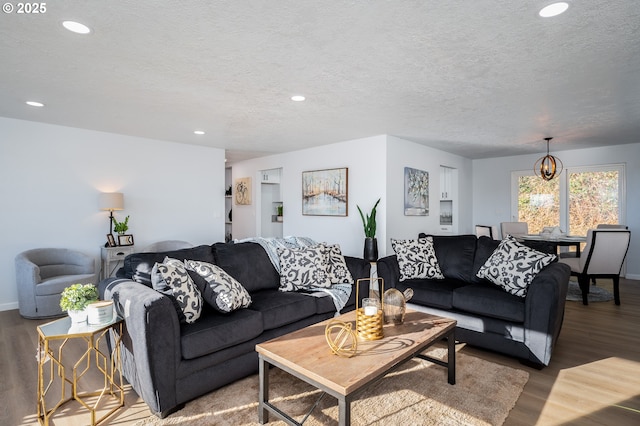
[{"x": 369, "y": 316}]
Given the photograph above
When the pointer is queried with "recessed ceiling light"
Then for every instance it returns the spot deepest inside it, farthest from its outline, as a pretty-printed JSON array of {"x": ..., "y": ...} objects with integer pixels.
[
  {"x": 198, "y": 132},
  {"x": 554, "y": 9},
  {"x": 35, "y": 104},
  {"x": 76, "y": 27},
  {"x": 298, "y": 98}
]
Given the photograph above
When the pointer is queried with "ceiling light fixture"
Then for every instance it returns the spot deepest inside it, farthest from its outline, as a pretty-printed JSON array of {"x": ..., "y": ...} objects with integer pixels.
[
  {"x": 76, "y": 27},
  {"x": 35, "y": 104},
  {"x": 198, "y": 132},
  {"x": 548, "y": 166},
  {"x": 298, "y": 98},
  {"x": 554, "y": 9}
]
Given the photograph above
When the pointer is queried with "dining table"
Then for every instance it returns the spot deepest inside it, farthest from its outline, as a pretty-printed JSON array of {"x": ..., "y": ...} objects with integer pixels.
[{"x": 557, "y": 241}]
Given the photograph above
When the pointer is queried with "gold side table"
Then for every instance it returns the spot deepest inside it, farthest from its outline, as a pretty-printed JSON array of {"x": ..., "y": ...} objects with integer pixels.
[{"x": 52, "y": 339}]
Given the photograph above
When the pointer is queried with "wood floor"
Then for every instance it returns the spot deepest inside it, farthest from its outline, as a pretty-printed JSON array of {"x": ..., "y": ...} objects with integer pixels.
[{"x": 593, "y": 378}]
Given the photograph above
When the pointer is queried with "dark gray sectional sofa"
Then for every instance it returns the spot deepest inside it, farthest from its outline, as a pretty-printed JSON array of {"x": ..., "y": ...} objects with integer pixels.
[
  {"x": 169, "y": 363},
  {"x": 487, "y": 316}
]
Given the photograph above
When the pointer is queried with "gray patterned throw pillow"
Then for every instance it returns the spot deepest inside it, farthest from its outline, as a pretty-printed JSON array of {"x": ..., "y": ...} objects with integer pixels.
[
  {"x": 417, "y": 259},
  {"x": 172, "y": 279},
  {"x": 303, "y": 268},
  {"x": 512, "y": 266},
  {"x": 336, "y": 265},
  {"x": 221, "y": 291}
]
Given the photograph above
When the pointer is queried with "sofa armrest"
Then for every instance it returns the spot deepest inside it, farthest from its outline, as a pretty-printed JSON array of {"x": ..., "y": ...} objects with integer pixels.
[
  {"x": 544, "y": 310},
  {"x": 389, "y": 270},
  {"x": 151, "y": 341}
]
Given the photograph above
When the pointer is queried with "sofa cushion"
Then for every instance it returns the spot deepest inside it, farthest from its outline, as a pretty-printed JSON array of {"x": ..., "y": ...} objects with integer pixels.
[
  {"x": 513, "y": 266},
  {"x": 325, "y": 304},
  {"x": 172, "y": 279},
  {"x": 248, "y": 263},
  {"x": 219, "y": 289},
  {"x": 416, "y": 259},
  {"x": 434, "y": 293},
  {"x": 214, "y": 332},
  {"x": 455, "y": 255},
  {"x": 490, "y": 301},
  {"x": 137, "y": 266},
  {"x": 280, "y": 308},
  {"x": 303, "y": 268}
]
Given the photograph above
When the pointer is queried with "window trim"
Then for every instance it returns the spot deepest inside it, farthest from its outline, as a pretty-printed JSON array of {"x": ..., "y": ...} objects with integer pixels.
[{"x": 564, "y": 190}]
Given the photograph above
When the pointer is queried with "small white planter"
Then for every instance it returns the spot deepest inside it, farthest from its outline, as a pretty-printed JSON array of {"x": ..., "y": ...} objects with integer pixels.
[{"x": 78, "y": 316}]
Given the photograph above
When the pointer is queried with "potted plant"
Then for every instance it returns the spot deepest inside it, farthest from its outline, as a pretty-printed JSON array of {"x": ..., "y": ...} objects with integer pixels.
[
  {"x": 279, "y": 210},
  {"x": 75, "y": 298},
  {"x": 121, "y": 227},
  {"x": 370, "y": 242}
]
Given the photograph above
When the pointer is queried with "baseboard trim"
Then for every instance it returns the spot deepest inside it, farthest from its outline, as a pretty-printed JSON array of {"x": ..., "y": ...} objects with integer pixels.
[
  {"x": 9, "y": 306},
  {"x": 632, "y": 277}
]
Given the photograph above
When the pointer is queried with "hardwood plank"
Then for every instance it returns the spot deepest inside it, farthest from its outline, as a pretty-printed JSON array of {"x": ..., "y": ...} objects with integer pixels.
[{"x": 593, "y": 378}]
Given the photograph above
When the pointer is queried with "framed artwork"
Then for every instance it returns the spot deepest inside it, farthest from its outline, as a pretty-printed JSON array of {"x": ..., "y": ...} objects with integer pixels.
[
  {"x": 111, "y": 241},
  {"x": 125, "y": 240},
  {"x": 243, "y": 191},
  {"x": 416, "y": 192},
  {"x": 325, "y": 192}
]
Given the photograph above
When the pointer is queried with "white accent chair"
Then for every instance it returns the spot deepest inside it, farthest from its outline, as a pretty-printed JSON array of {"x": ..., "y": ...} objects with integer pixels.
[
  {"x": 602, "y": 257},
  {"x": 515, "y": 229},
  {"x": 167, "y": 245},
  {"x": 42, "y": 274}
]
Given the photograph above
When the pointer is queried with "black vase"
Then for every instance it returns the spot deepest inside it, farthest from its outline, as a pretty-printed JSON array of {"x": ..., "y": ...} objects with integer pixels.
[{"x": 370, "y": 249}]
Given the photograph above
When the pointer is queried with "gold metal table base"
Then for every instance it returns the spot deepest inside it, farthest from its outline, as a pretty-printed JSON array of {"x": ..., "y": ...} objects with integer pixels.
[{"x": 92, "y": 359}]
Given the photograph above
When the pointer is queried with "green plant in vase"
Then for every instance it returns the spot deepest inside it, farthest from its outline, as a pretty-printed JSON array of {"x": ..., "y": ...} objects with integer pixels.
[
  {"x": 75, "y": 298},
  {"x": 370, "y": 242},
  {"x": 121, "y": 227}
]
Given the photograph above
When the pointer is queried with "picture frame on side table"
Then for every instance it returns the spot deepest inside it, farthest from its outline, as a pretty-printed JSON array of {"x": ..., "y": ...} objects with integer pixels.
[
  {"x": 325, "y": 192},
  {"x": 111, "y": 241},
  {"x": 125, "y": 240}
]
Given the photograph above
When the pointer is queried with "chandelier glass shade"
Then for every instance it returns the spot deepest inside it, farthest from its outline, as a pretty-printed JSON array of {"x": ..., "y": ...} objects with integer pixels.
[{"x": 548, "y": 166}]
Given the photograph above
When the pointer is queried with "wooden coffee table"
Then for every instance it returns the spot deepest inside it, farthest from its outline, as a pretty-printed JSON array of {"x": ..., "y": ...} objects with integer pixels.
[{"x": 306, "y": 355}]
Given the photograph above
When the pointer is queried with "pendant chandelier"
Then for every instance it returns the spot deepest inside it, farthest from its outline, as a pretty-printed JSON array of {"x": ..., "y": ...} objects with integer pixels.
[{"x": 548, "y": 166}]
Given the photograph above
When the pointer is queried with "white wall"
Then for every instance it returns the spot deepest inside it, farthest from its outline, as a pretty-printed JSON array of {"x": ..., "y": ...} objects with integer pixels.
[
  {"x": 492, "y": 187},
  {"x": 365, "y": 159},
  {"x": 402, "y": 153},
  {"x": 376, "y": 170},
  {"x": 51, "y": 177}
]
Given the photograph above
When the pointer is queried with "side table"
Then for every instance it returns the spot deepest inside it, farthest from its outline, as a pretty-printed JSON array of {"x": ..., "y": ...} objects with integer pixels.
[
  {"x": 112, "y": 258},
  {"x": 64, "y": 375}
]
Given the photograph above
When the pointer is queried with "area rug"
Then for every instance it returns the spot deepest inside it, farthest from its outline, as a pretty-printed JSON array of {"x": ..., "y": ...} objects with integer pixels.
[
  {"x": 415, "y": 394},
  {"x": 596, "y": 293}
]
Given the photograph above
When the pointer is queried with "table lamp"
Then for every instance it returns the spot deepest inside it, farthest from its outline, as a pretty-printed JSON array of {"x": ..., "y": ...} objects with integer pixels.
[{"x": 111, "y": 201}]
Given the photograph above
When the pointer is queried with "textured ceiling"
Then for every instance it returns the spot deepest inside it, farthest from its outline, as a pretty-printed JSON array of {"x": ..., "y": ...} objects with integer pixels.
[{"x": 479, "y": 78}]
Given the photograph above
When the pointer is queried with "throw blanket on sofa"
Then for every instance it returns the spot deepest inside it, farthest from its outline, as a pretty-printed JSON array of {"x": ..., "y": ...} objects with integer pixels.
[{"x": 340, "y": 293}]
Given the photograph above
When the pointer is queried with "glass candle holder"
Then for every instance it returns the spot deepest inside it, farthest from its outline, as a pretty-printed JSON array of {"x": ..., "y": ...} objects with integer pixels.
[{"x": 371, "y": 306}]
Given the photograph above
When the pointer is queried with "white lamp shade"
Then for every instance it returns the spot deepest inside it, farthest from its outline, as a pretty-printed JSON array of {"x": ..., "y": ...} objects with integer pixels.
[{"x": 111, "y": 201}]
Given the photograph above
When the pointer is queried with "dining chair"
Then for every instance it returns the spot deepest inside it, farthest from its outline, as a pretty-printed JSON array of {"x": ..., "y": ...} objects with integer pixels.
[
  {"x": 484, "y": 230},
  {"x": 602, "y": 257},
  {"x": 611, "y": 226},
  {"x": 514, "y": 228}
]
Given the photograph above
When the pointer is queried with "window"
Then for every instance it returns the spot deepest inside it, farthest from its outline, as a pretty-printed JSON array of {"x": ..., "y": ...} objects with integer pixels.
[{"x": 579, "y": 199}]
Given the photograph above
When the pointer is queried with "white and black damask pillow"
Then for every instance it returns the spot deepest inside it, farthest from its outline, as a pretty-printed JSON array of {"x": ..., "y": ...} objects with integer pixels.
[
  {"x": 303, "y": 268},
  {"x": 221, "y": 290},
  {"x": 172, "y": 279},
  {"x": 336, "y": 265},
  {"x": 513, "y": 266},
  {"x": 417, "y": 259}
]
